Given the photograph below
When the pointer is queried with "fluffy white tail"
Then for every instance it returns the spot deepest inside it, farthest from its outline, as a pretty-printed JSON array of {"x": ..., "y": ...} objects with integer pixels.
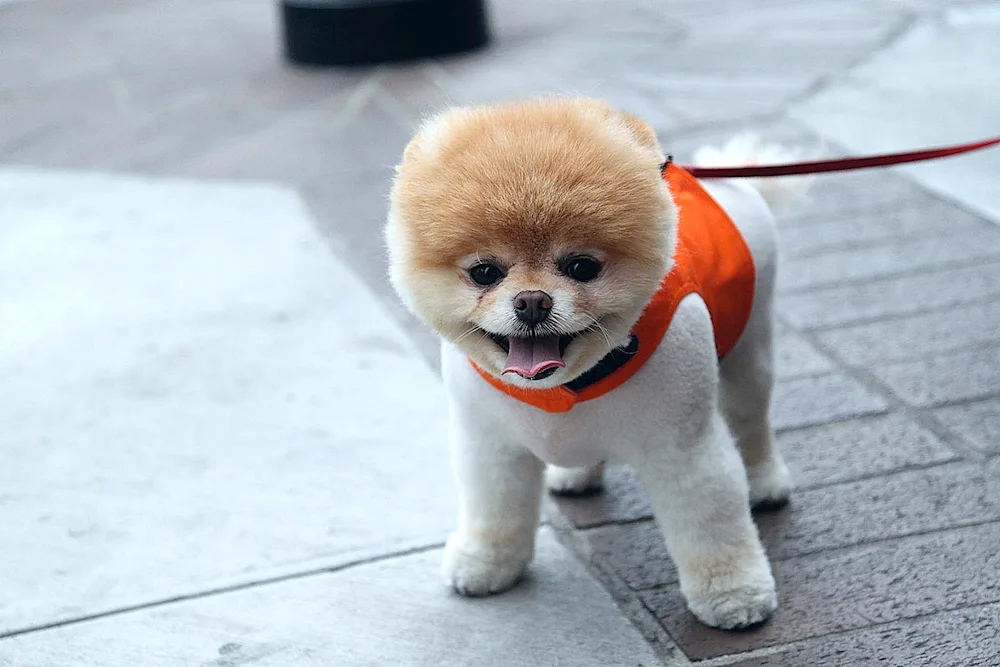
[{"x": 748, "y": 149}]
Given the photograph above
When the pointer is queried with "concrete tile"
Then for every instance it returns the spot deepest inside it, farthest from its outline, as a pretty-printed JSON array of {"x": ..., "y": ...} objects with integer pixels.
[
  {"x": 343, "y": 166},
  {"x": 200, "y": 126},
  {"x": 516, "y": 22},
  {"x": 943, "y": 379},
  {"x": 853, "y": 589},
  {"x": 864, "y": 264},
  {"x": 347, "y": 209},
  {"x": 933, "y": 5},
  {"x": 846, "y": 196},
  {"x": 596, "y": 49},
  {"x": 578, "y": 61},
  {"x": 838, "y": 18},
  {"x": 690, "y": 10},
  {"x": 182, "y": 40},
  {"x": 132, "y": 63},
  {"x": 585, "y": 48},
  {"x": 392, "y": 612},
  {"x": 852, "y": 450},
  {"x": 418, "y": 91},
  {"x": 185, "y": 402},
  {"x": 621, "y": 500},
  {"x": 816, "y": 400},
  {"x": 722, "y": 55},
  {"x": 186, "y": 131},
  {"x": 909, "y": 220},
  {"x": 731, "y": 46},
  {"x": 895, "y": 297},
  {"x": 371, "y": 138},
  {"x": 333, "y": 145},
  {"x": 944, "y": 63},
  {"x": 818, "y": 456},
  {"x": 950, "y": 639},
  {"x": 33, "y": 115},
  {"x": 701, "y": 98},
  {"x": 922, "y": 335},
  {"x": 903, "y": 503},
  {"x": 976, "y": 423},
  {"x": 796, "y": 357},
  {"x": 145, "y": 85},
  {"x": 29, "y": 41},
  {"x": 162, "y": 146},
  {"x": 819, "y": 519},
  {"x": 634, "y": 552}
]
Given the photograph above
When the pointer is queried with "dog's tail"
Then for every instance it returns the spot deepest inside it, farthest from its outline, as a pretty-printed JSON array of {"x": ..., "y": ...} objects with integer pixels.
[{"x": 780, "y": 192}]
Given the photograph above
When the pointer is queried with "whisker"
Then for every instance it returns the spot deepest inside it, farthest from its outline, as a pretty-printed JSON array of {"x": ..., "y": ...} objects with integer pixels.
[
  {"x": 468, "y": 332},
  {"x": 597, "y": 326}
]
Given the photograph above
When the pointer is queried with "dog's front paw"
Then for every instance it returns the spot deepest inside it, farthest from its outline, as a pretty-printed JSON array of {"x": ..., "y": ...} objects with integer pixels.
[
  {"x": 574, "y": 481},
  {"x": 732, "y": 602},
  {"x": 770, "y": 484},
  {"x": 473, "y": 568}
]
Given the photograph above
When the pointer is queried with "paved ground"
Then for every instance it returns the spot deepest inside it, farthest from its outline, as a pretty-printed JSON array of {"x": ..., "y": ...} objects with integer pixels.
[{"x": 197, "y": 463}]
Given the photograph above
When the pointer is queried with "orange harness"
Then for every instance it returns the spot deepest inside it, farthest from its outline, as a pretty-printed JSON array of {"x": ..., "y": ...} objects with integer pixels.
[{"x": 712, "y": 260}]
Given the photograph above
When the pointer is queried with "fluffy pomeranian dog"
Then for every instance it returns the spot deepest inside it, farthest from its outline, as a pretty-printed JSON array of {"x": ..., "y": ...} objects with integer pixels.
[{"x": 542, "y": 241}]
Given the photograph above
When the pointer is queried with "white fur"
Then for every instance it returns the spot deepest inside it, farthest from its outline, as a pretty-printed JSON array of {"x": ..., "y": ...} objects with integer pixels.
[
  {"x": 750, "y": 150},
  {"x": 574, "y": 480},
  {"x": 674, "y": 422}
]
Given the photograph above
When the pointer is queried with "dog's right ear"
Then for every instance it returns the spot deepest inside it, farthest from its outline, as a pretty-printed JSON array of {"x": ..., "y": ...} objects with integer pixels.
[
  {"x": 414, "y": 148},
  {"x": 425, "y": 141}
]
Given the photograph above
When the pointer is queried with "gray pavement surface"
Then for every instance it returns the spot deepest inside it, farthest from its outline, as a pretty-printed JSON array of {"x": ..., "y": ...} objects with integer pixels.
[
  {"x": 185, "y": 405},
  {"x": 386, "y": 612},
  {"x": 922, "y": 91},
  {"x": 220, "y": 439}
]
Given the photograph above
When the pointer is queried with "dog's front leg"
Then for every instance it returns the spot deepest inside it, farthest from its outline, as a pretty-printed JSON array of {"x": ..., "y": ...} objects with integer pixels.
[
  {"x": 699, "y": 495},
  {"x": 691, "y": 470},
  {"x": 500, "y": 492}
]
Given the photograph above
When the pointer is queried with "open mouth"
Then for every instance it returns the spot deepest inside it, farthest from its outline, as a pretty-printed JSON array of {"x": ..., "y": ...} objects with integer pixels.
[{"x": 534, "y": 357}]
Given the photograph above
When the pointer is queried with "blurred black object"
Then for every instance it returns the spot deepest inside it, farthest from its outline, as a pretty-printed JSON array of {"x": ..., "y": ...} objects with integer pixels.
[{"x": 362, "y": 32}]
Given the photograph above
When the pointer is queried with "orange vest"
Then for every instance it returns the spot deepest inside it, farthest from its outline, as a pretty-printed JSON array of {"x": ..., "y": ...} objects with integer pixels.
[{"x": 712, "y": 260}]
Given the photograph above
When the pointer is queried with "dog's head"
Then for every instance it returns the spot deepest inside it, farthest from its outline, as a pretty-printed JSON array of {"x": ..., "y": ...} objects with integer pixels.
[{"x": 531, "y": 234}]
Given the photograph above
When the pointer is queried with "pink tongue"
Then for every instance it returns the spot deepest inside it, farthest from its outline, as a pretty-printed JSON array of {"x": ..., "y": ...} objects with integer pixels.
[{"x": 530, "y": 356}]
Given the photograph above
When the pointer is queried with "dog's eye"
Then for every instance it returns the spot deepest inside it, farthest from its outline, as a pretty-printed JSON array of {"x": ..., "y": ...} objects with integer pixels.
[
  {"x": 581, "y": 269},
  {"x": 486, "y": 274}
]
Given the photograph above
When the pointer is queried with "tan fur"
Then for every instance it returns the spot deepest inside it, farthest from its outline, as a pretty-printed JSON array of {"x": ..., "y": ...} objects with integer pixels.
[
  {"x": 525, "y": 177},
  {"x": 523, "y": 184}
]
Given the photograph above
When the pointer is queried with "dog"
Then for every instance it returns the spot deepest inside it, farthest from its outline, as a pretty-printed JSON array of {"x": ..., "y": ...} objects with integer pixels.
[{"x": 541, "y": 240}]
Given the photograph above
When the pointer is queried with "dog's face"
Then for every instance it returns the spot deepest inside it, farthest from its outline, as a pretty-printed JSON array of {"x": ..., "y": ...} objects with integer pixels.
[{"x": 531, "y": 235}]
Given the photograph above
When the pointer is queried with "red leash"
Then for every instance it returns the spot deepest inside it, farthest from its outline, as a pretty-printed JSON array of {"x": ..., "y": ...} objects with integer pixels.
[{"x": 840, "y": 164}]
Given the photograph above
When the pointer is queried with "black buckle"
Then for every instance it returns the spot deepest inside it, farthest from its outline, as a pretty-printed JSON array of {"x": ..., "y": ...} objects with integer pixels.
[
  {"x": 611, "y": 362},
  {"x": 663, "y": 167}
]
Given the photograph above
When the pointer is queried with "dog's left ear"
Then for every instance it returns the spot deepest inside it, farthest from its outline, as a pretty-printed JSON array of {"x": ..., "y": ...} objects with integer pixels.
[{"x": 641, "y": 130}]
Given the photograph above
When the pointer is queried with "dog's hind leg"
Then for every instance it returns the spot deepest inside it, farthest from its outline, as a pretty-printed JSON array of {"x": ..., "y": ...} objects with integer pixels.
[
  {"x": 574, "y": 481},
  {"x": 746, "y": 380}
]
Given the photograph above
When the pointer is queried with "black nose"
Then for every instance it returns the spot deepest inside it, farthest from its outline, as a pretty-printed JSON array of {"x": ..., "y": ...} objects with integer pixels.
[{"x": 532, "y": 307}]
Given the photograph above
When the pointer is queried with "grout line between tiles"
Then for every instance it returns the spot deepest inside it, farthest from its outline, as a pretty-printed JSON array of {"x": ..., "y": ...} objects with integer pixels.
[
  {"x": 217, "y": 590},
  {"x": 723, "y": 660}
]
